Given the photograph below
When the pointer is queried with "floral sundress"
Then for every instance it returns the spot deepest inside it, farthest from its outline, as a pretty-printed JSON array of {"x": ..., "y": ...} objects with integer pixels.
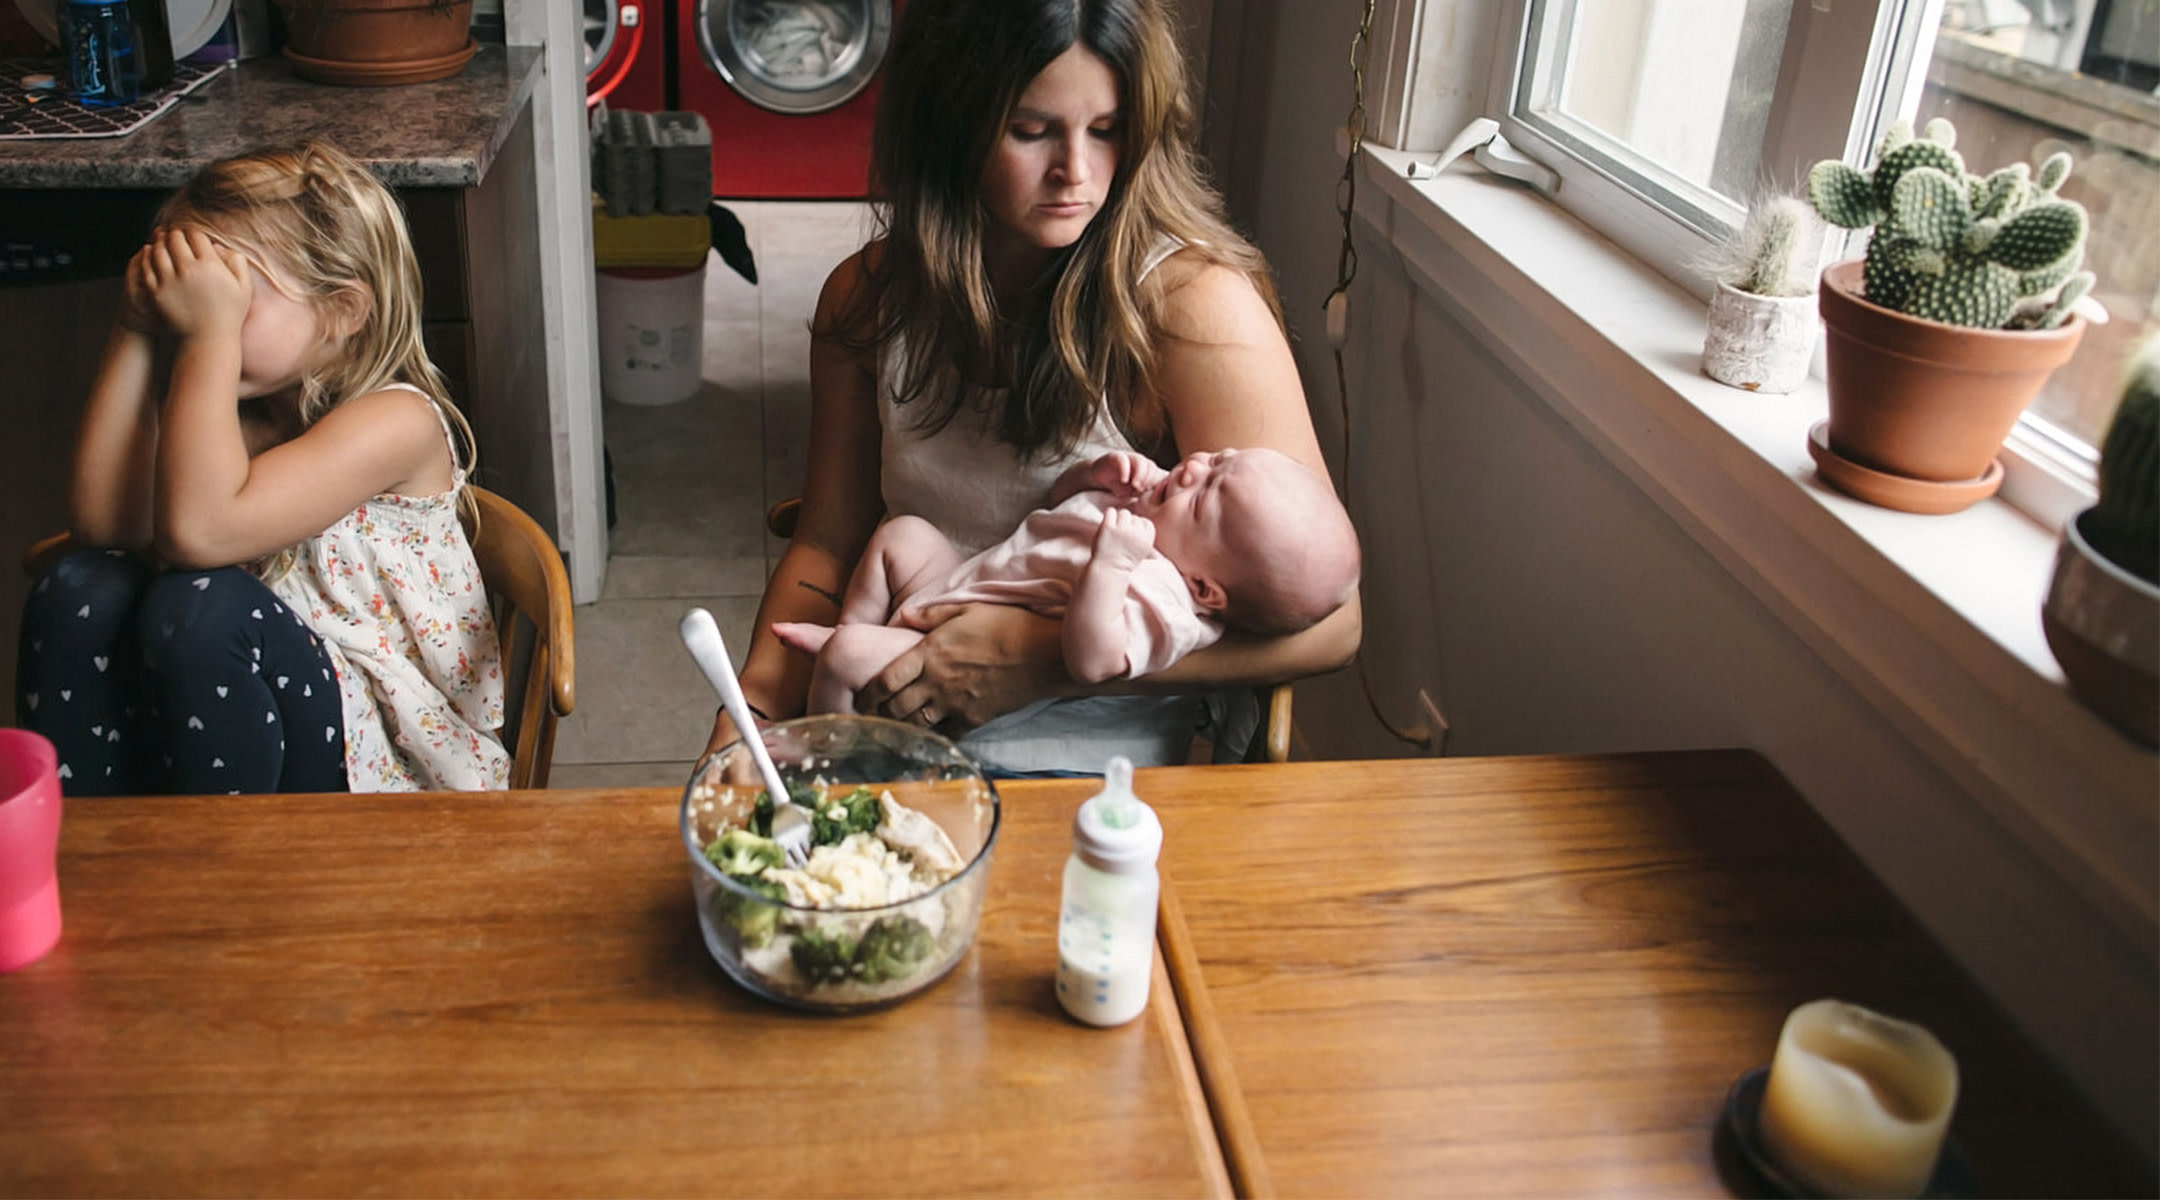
[{"x": 394, "y": 593}]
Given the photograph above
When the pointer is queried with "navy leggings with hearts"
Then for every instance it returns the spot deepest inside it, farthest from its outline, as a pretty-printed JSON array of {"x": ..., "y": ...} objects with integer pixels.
[{"x": 181, "y": 682}]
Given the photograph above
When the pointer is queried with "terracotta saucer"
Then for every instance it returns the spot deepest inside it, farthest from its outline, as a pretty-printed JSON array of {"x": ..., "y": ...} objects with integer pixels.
[
  {"x": 1897, "y": 491},
  {"x": 418, "y": 70}
]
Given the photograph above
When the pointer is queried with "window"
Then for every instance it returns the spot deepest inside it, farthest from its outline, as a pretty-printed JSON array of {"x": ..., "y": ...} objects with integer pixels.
[
  {"x": 1671, "y": 96},
  {"x": 2022, "y": 79},
  {"x": 1665, "y": 117}
]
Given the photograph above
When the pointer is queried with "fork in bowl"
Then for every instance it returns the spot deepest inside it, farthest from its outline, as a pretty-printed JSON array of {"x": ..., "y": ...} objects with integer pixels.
[{"x": 790, "y": 821}]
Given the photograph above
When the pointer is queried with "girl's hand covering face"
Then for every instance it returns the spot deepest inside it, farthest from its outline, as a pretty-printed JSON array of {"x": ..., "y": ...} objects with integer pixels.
[
  {"x": 138, "y": 309},
  {"x": 199, "y": 286}
]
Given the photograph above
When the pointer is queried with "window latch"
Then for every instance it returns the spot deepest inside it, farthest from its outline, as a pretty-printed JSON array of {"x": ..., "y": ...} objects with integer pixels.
[{"x": 1481, "y": 140}]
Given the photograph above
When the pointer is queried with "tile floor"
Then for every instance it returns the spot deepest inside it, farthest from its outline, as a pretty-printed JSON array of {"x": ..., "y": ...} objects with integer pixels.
[{"x": 692, "y": 482}]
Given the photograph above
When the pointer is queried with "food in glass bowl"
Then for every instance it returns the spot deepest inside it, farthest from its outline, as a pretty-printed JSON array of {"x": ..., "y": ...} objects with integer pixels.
[{"x": 903, "y": 823}]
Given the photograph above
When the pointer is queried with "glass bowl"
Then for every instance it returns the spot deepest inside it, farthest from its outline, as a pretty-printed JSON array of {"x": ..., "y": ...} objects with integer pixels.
[{"x": 841, "y": 959}]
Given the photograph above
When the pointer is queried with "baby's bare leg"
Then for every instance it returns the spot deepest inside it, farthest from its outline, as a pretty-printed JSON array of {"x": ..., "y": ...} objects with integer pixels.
[
  {"x": 904, "y": 554},
  {"x": 852, "y": 657}
]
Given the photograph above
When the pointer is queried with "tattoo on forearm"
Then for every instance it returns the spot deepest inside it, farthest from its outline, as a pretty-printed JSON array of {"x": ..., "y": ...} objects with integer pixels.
[{"x": 806, "y": 585}]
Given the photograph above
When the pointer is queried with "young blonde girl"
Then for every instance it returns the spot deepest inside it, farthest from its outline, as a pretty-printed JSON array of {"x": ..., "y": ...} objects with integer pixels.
[{"x": 266, "y": 425}]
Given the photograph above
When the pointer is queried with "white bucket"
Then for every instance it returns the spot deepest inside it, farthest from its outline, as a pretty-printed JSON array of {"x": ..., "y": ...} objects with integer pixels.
[{"x": 652, "y": 332}]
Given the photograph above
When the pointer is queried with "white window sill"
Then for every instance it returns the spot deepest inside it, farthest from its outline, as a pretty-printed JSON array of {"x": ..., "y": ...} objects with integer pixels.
[{"x": 1935, "y": 620}]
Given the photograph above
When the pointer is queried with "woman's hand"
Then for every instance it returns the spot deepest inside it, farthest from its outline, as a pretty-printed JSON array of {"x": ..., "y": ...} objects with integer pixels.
[
  {"x": 199, "y": 287},
  {"x": 978, "y": 661}
]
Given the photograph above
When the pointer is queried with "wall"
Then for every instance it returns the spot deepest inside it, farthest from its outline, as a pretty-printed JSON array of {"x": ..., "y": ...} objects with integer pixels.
[{"x": 1550, "y": 606}]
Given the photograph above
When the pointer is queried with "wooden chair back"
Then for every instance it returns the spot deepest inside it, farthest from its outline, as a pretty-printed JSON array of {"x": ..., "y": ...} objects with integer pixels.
[
  {"x": 1271, "y": 744},
  {"x": 528, "y": 594},
  {"x": 45, "y": 553}
]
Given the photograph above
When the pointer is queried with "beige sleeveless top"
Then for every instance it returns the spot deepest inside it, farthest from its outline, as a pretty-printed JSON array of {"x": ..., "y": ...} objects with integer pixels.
[{"x": 976, "y": 490}]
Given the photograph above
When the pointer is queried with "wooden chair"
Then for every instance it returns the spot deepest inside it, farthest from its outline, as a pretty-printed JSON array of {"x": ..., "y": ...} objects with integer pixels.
[
  {"x": 1271, "y": 744},
  {"x": 529, "y": 596}
]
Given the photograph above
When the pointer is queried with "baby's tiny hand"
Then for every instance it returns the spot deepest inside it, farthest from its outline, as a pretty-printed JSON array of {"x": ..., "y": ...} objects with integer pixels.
[
  {"x": 1123, "y": 539},
  {"x": 1125, "y": 474},
  {"x": 199, "y": 286}
]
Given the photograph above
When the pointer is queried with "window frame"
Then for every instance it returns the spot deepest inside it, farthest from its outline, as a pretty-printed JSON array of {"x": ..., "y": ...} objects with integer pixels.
[{"x": 1835, "y": 92}]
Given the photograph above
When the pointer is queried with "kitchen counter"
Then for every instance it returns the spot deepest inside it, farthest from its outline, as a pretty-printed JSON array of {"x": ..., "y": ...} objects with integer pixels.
[{"x": 443, "y": 134}]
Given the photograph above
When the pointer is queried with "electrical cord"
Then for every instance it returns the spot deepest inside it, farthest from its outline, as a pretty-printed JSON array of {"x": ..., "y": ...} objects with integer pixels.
[{"x": 1337, "y": 308}]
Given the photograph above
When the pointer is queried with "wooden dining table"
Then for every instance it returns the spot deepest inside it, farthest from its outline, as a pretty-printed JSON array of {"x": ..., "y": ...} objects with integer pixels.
[
  {"x": 1542, "y": 976},
  {"x": 507, "y": 994},
  {"x": 1521, "y": 976}
]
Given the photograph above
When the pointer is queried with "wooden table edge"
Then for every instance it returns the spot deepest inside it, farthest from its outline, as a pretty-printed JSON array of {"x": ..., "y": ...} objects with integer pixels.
[
  {"x": 1209, "y": 1051},
  {"x": 1199, "y": 1114}
]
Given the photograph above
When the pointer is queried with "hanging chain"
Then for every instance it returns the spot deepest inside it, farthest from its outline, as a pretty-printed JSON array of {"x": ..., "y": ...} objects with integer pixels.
[
  {"x": 1346, "y": 263},
  {"x": 1336, "y": 306}
]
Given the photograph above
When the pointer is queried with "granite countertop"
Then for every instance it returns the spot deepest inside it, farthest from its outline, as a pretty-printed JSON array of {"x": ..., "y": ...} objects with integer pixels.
[{"x": 440, "y": 134}]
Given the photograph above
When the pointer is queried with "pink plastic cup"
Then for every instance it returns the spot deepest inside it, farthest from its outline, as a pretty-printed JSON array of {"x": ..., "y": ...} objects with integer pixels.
[{"x": 29, "y": 844}]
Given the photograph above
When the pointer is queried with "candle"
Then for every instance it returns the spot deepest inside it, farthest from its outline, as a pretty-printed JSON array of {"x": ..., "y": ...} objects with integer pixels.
[{"x": 1857, "y": 1102}]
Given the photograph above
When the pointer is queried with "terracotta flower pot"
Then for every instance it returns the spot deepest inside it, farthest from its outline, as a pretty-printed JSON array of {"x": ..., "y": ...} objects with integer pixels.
[
  {"x": 2103, "y": 623},
  {"x": 377, "y": 42},
  {"x": 1922, "y": 399}
]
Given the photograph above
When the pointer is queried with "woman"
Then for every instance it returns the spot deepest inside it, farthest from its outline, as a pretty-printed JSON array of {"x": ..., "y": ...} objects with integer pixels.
[{"x": 1053, "y": 281}]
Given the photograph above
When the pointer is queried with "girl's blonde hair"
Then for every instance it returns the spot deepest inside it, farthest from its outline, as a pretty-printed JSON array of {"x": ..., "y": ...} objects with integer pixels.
[
  {"x": 319, "y": 223},
  {"x": 956, "y": 70}
]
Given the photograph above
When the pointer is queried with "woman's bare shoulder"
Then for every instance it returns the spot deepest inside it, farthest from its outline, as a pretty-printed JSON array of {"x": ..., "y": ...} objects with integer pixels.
[
  {"x": 840, "y": 306},
  {"x": 1204, "y": 300}
]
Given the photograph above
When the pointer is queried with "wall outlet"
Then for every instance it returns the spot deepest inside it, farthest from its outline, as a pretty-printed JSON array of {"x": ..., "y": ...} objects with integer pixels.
[{"x": 1435, "y": 725}]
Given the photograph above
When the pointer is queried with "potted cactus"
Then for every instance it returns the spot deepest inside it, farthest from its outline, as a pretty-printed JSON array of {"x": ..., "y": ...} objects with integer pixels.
[
  {"x": 1760, "y": 331},
  {"x": 2102, "y": 615},
  {"x": 1944, "y": 333}
]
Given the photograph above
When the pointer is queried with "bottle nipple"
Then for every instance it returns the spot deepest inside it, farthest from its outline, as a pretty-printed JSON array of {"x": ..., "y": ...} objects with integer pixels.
[
  {"x": 1115, "y": 830},
  {"x": 1115, "y": 803}
]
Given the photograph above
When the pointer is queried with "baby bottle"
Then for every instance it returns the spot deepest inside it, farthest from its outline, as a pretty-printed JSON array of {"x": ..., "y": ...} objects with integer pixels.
[{"x": 1106, "y": 923}]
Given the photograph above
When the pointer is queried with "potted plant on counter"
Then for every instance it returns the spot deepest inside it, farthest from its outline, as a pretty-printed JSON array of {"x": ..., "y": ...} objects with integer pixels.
[
  {"x": 377, "y": 42},
  {"x": 1940, "y": 338},
  {"x": 2102, "y": 615},
  {"x": 1760, "y": 331}
]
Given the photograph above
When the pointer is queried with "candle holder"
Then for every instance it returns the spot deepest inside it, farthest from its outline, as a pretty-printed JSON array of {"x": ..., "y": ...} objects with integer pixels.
[{"x": 1750, "y": 1171}]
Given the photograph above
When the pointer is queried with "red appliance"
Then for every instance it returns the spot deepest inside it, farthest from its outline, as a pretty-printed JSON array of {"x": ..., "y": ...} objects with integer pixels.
[
  {"x": 626, "y": 55},
  {"x": 788, "y": 87}
]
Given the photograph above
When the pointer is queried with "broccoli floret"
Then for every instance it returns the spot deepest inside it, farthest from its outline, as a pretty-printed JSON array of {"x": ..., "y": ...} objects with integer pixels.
[
  {"x": 823, "y": 957},
  {"x": 836, "y": 817},
  {"x": 744, "y": 854},
  {"x": 744, "y": 857},
  {"x": 761, "y": 811},
  {"x": 891, "y": 949},
  {"x": 751, "y": 920}
]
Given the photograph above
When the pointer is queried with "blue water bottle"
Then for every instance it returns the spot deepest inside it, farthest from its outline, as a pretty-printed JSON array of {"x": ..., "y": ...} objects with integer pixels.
[{"x": 100, "y": 40}]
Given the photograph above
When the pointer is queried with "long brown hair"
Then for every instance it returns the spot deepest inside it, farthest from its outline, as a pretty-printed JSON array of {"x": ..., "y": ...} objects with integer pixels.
[
  {"x": 956, "y": 70},
  {"x": 320, "y": 223}
]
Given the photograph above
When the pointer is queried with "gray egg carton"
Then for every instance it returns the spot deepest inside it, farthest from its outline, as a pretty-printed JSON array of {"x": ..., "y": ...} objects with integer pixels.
[{"x": 652, "y": 162}]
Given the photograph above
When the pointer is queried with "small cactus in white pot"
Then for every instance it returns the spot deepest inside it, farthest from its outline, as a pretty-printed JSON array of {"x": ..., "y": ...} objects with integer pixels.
[{"x": 1761, "y": 326}]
